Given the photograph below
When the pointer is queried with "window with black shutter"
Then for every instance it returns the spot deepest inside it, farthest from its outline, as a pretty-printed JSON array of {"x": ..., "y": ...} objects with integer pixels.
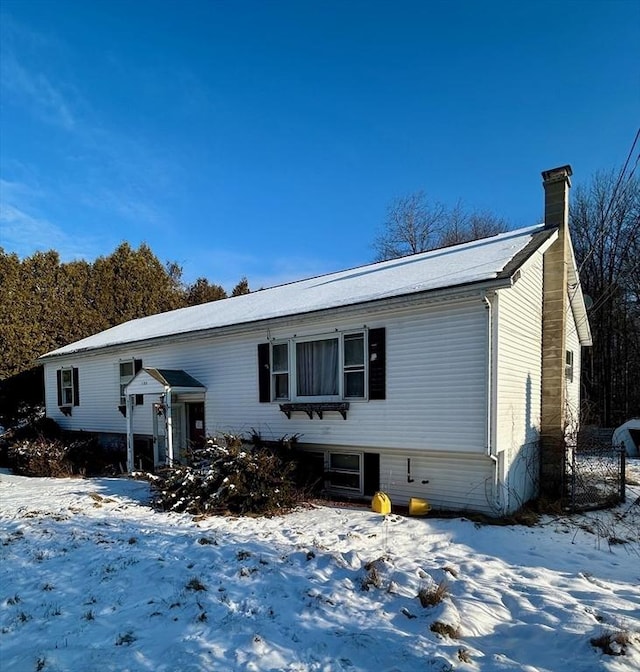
[
  {"x": 68, "y": 388},
  {"x": 127, "y": 370},
  {"x": 325, "y": 368}
]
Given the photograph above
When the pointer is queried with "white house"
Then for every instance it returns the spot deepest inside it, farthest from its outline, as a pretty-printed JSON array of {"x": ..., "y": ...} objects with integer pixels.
[{"x": 422, "y": 376}]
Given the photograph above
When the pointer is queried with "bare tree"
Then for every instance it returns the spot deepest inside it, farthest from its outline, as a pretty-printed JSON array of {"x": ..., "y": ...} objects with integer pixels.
[
  {"x": 415, "y": 224},
  {"x": 605, "y": 227}
]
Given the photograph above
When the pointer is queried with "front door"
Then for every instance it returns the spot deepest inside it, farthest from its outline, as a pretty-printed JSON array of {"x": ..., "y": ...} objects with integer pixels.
[{"x": 195, "y": 418}]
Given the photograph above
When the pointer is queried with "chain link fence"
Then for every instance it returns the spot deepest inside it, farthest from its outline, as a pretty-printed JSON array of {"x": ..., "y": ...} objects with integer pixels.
[{"x": 594, "y": 472}]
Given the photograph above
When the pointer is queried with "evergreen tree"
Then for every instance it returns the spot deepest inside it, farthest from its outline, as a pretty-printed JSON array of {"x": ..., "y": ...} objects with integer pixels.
[
  {"x": 202, "y": 291},
  {"x": 12, "y": 304},
  {"x": 132, "y": 283},
  {"x": 241, "y": 288}
]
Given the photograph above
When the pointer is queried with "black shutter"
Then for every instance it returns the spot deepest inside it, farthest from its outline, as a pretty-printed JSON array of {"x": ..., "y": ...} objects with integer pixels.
[
  {"x": 264, "y": 373},
  {"x": 59, "y": 376},
  {"x": 377, "y": 364},
  {"x": 76, "y": 387},
  {"x": 371, "y": 474},
  {"x": 137, "y": 365}
]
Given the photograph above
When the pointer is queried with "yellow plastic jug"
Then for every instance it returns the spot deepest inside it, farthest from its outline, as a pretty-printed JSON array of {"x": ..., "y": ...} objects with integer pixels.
[
  {"x": 381, "y": 503},
  {"x": 419, "y": 507}
]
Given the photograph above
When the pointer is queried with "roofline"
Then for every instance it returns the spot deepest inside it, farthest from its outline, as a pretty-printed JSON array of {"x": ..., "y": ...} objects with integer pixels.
[
  {"x": 540, "y": 241},
  {"x": 431, "y": 295}
]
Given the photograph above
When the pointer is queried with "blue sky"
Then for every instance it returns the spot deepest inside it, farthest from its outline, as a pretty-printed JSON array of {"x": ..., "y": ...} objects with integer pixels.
[{"x": 267, "y": 138}]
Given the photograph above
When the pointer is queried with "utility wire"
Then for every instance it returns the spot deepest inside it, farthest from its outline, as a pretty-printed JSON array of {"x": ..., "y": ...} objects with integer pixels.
[
  {"x": 614, "y": 194},
  {"x": 608, "y": 291}
]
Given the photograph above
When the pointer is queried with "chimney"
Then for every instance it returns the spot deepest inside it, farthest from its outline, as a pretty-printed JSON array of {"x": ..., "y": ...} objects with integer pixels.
[
  {"x": 555, "y": 305},
  {"x": 556, "y": 184}
]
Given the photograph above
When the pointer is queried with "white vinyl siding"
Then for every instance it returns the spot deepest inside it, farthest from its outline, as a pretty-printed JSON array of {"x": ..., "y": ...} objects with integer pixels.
[
  {"x": 98, "y": 410},
  {"x": 572, "y": 394},
  {"x": 519, "y": 370},
  {"x": 455, "y": 482},
  {"x": 436, "y": 383}
]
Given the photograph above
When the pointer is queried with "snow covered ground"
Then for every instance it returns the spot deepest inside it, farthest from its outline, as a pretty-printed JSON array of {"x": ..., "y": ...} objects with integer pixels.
[{"x": 91, "y": 578}]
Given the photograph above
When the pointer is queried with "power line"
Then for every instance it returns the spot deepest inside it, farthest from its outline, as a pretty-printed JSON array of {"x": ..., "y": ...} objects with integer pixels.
[
  {"x": 614, "y": 194},
  {"x": 612, "y": 286}
]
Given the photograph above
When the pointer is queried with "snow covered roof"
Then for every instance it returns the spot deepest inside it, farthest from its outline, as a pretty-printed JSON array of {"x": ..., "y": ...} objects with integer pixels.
[
  {"x": 487, "y": 259},
  {"x": 155, "y": 381}
]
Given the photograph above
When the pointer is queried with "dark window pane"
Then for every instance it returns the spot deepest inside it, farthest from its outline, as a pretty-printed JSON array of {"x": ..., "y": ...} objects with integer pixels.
[
  {"x": 281, "y": 357},
  {"x": 340, "y": 480},
  {"x": 344, "y": 461},
  {"x": 354, "y": 350},
  {"x": 126, "y": 369},
  {"x": 281, "y": 381},
  {"x": 354, "y": 384}
]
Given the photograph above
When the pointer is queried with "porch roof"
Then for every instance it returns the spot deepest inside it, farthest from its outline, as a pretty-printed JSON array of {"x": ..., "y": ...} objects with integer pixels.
[{"x": 156, "y": 381}]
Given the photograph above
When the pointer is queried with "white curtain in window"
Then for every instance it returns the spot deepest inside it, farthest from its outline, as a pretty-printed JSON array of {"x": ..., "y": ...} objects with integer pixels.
[{"x": 317, "y": 368}]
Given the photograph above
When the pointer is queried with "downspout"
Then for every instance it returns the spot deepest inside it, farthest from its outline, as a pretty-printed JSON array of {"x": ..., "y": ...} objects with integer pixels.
[
  {"x": 492, "y": 397},
  {"x": 129, "y": 411}
]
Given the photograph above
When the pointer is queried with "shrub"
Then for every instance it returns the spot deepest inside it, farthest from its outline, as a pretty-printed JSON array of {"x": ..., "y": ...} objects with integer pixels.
[
  {"x": 40, "y": 457},
  {"x": 57, "y": 457},
  {"x": 195, "y": 584},
  {"x": 228, "y": 476},
  {"x": 612, "y": 643},
  {"x": 433, "y": 595},
  {"x": 445, "y": 629}
]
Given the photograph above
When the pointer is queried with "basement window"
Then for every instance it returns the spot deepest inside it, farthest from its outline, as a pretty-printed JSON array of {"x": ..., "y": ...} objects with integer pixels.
[{"x": 344, "y": 471}]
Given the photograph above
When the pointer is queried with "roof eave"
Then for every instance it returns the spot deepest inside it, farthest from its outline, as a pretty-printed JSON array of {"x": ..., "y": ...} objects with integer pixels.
[
  {"x": 438, "y": 294},
  {"x": 576, "y": 299}
]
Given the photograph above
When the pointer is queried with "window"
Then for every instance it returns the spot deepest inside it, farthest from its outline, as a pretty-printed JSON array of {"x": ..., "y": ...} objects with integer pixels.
[
  {"x": 127, "y": 370},
  {"x": 353, "y": 366},
  {"x": 330, "y": 368},
  {"x": 126, "y": 376},
  {"x": 280, "y": 370},
  {"x": 68, "y": 388},
  {"x": 568, "y": 365},
  {"x": 344, "y": 471},
  {"x": 317, "y": 372},
  {"x": 337, "y": 366}
]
